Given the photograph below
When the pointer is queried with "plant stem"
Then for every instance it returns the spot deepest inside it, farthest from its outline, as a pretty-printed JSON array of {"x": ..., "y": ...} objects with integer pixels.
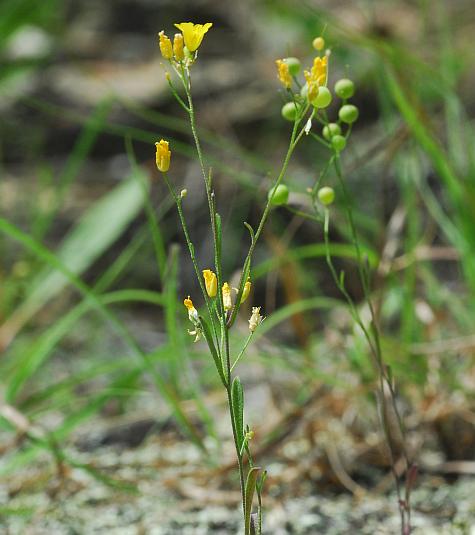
[
  {"x": 191, "y": 248},
  {"x": 373, "y": 339},
  {"x": 294, "y": 139}
]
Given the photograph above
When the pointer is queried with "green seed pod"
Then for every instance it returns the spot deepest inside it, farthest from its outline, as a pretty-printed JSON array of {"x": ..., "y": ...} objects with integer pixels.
[
  {"x": 348, "y": 113},
  {"x": 330, "y": 130},
  {"x": 281, "y": 195},
  {"x": 289, "y": 111},
  {"x": 338, "y": 143},
  {"x": 294, "y": 66},
  {"x": 323, "y": 99},
  {"x": 326, "y": 195},
  {"x": 345, "y": 88},
  {"x": 318, "y": 43}
]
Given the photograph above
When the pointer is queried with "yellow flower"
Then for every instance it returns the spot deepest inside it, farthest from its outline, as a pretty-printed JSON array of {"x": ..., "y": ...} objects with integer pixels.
[
  {"x": 283, "y": 73},
  {"x": 193, "y": 33},
  {"x": 178, "y": 47},
  {"x": 192, "y": 312},
  {"x": 211, "y": 282},
  {"x": 246, "y": 291},
  {"x": 318, "y": 73},
  {"x": 165, "y": 46},
  {"x": 162, "y": 156},
  {"x": 227, "y": 297}
]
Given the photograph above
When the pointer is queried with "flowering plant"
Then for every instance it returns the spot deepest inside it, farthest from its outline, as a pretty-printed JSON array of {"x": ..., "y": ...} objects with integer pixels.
[{"x": 306, "y": 107}]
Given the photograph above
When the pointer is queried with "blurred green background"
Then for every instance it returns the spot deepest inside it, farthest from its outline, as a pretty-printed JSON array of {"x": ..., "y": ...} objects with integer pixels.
[{"x": 92, "y": 327}]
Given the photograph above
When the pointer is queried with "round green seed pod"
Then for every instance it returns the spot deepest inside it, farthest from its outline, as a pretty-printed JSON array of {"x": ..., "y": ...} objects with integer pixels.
[
  {"x": 323, "y": 99},
  {"x": 289, "y": 111},
  {"x": 345, "y": 88},
  {"x": 318, "y": 43},
  {"x": 294, "y": 65},
  {"x": 348, "y": 113},
  {"x": 281, "y": 195},
  {"x": 326, "y": 195},
  {"x": 338, "y": 143},
  {"x": 330, "y": 130}
]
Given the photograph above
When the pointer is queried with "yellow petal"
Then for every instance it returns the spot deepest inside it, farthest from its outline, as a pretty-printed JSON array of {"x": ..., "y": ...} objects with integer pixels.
[{"x": 193, "y": 33}]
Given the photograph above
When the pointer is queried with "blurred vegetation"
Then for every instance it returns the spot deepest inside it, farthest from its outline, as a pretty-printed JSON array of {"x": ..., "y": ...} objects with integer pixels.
[{"x": 93, "y": 267}]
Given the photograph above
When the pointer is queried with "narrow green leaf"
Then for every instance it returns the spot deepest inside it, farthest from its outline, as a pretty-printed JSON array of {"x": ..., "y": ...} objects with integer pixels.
[
  {"x": 237, "y": 396},
  {"x": 99, "y": 227},
  {"x": 250, "y": 229},
  {"x": 163, "y": 387},
  {"x": 250, "y": 488},
  {"x": 209, "y": 339}
]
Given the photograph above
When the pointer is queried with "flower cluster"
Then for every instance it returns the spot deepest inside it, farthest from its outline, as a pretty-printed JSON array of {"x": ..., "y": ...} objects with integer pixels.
[
  {"x": 314, "y": 90},
  {"x": 313, "y": 95},
  {"x": 211, "y": 285},
  {"x": 184, "y": 48}
]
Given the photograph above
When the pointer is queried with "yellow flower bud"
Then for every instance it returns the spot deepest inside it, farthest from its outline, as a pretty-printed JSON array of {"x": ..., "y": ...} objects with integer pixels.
[
  {"x": 178, "y": 47},
  {"x": 193, "y": 33},
  {"x": 211, "y": 282},
  {"x": 227, "y": 297},
  {"x": 165, "y": 46},
  {"x": 162, "y": 156},
  {"x": 249, "y": 435},
  {"x": 246, "y": 291},
  {"x": 283, "y": 73}
]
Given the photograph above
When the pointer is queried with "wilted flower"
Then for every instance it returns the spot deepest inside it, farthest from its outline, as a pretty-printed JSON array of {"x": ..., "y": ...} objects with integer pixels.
[
  {"x": 255, "y": 319},
  {"x": 194, "y": 318},
  {"x": 192, "y": 312},
  {"x": 227, "y": 297}
]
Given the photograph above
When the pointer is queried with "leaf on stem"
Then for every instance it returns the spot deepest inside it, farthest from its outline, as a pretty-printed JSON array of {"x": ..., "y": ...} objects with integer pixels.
[
  {"x": 249, "y": 495},
  {"x": 251, "y": 230},
  {"x": 237, "y": 396}
]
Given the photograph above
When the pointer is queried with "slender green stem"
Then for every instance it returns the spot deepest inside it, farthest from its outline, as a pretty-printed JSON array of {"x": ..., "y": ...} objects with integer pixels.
[
  {"x": 294, "y": 139},
  {"x": 191, "y": 248},
  {"x": 373, "y": 341},
  {"x": 217, "y": 261},
  {"x": 241, "y": 353},
  {"x": 210, "y": 197}
]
